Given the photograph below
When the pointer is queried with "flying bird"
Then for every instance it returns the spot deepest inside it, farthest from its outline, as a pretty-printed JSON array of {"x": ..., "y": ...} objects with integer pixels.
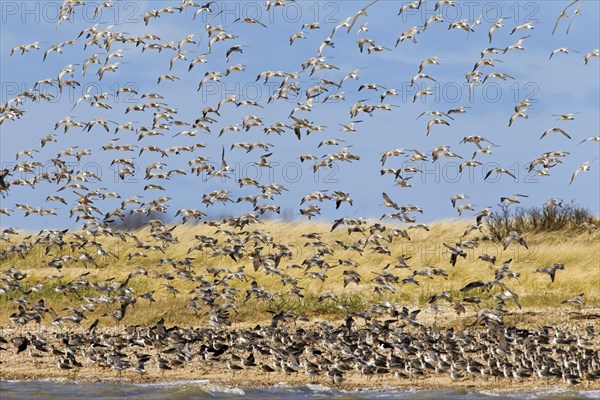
[{"x": 582, "y": 168}]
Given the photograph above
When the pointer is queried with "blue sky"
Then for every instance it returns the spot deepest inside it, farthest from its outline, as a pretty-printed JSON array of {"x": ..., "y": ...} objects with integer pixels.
[{"x": 558, "y": 86}]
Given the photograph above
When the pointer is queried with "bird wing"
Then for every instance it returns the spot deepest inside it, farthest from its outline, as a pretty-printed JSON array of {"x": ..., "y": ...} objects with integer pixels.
[
  {"x": 360, "y": 13},
  {"x": 223, "y": 161},
  {"x": 387, "y": 198},
  {"x": 564, "y": 133},
  {"x": 574, "y": 175},
  {"x": 572, "y": 18},
  {"x": 472, "y": 285}
]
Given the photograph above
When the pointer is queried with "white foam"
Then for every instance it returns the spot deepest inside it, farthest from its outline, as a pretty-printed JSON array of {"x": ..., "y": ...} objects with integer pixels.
[
  {"x": 206, "y": 385},
  {"x": 592, "y": 394},
  {"x": 317, "y": 387},
  {"x": 537, "y": 392},
  {"x": 214, "y": 388},
  {"x": 177, "y": 383}
]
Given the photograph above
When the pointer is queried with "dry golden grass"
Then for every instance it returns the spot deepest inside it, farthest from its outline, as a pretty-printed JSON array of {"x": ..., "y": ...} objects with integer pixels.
[{"x": 577, "y": 250}]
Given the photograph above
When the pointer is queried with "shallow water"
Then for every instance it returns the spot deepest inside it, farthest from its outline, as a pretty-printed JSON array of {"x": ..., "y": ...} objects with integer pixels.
[{"x": 51, "y": 389}]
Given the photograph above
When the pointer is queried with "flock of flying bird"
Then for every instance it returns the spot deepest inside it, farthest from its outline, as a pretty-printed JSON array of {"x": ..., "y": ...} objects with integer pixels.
[{"x": 398, "y": 345}]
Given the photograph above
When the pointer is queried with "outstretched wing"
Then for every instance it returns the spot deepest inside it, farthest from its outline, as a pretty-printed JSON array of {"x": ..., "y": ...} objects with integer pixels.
[{"x": 387, "y": 198}]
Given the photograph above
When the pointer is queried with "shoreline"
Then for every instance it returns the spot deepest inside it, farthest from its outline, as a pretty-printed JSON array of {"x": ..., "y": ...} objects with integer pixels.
[{"x": 356, "y": 383}]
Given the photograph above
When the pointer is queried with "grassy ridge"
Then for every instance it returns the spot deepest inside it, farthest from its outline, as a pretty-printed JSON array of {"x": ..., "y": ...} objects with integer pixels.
[{"x": 576, "y": 249}]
